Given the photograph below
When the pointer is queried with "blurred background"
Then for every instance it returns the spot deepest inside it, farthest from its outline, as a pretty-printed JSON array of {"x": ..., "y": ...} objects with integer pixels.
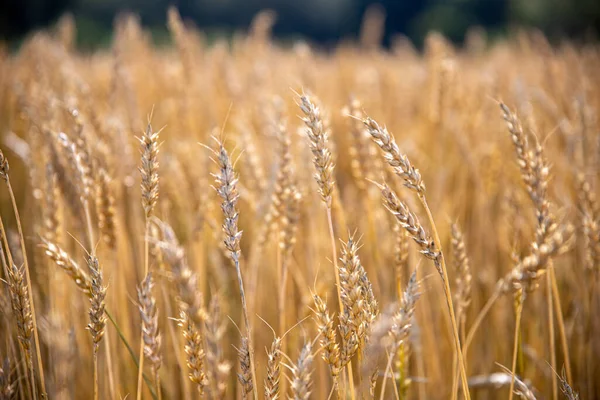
[{"x": 321, "y": 21}]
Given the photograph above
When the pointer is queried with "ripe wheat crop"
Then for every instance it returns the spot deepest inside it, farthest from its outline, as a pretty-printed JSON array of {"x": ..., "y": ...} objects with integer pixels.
[{"x": 243, "y": 219}]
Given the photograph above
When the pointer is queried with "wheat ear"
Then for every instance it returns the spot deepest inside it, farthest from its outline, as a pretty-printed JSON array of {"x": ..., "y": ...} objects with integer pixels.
[{"x": 97, "y": 313}]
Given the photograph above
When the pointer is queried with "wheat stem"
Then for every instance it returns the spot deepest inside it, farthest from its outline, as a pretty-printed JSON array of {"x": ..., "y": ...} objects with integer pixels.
[
  {"x": 519, "y": 312},
  {"x": 561, "y": 324},
  {"x": 549, "y": 305},
  {"x": 95, "y": 374}
]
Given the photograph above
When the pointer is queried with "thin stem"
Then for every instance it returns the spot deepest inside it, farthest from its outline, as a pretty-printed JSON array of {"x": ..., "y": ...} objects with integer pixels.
[
  {"x": 551, "y": 333},
  {"x": 238, "y": 270},
  {"x": 461, "y": 332},
  {"x": 385, "y": 375},
  {"x": 334, "y": 259},
  {"x": 448, "y": 294},
  {"x": 111, "y": 380},
  {"x": 561, "y": 324},
  {"x": 339, "y": 289},
  {"x": 29, "y": 288},
  {"x": 140, "y": 389},
  {"x": 282, "y": 280},
  {"x": 521, "y": 300},
  {"x": 455, "y": 375},
  {"x": 95, "y": 372},
  {"x": 90, "y": 229},
  {"x": 282, "y": 262}
]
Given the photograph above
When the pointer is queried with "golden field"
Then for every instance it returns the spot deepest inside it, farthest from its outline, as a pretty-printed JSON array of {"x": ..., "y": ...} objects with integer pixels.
[{"x": 242, "y": 219}]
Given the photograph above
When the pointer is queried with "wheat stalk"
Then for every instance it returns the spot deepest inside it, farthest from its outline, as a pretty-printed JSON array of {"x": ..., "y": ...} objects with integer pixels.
[{"x": 226, "y": 182}]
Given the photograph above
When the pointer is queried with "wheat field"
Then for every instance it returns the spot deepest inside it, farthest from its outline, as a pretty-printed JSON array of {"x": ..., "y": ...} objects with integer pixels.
[{"x": 246, "y": 219}]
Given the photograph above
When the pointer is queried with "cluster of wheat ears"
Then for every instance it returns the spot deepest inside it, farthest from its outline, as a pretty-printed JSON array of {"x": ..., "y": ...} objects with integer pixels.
[{"x": 298, "y": 223}]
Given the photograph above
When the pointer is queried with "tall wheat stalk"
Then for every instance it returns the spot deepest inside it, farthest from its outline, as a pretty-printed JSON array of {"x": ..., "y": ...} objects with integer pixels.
[
  {"x": 4, "y": 169},
  {"x": 433, "y": 250},
  {"x": 149, "y": 148}
]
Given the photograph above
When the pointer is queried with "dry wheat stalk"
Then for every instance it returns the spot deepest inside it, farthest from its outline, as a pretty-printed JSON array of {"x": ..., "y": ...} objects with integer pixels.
[
  {"x": 226, "y": 182},
  {"x": 4, "y": 168},
  {"x": 535, "y": 174}
]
